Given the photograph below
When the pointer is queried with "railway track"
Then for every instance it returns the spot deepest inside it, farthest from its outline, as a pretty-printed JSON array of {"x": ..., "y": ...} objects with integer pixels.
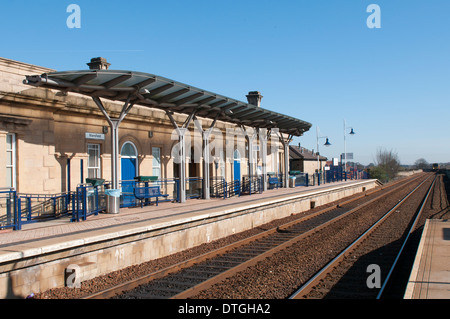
[
  {"x": 191, "y": 278},
  {"x": 367, "y": 267}
]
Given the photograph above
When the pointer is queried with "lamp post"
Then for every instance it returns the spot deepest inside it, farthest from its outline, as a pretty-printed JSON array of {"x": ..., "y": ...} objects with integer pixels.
[
  {"x": 327, "y": 143},
  {"x": 345, "y": 146}
]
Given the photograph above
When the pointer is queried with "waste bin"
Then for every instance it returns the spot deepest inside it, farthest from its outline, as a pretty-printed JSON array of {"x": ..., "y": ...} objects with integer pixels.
[
  {"x": 292, "y": 181},
  {"x": 112, "y": 200}
]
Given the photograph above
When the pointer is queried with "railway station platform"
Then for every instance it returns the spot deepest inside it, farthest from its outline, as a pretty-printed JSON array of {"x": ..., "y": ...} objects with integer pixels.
[
  {"x": 36, "y": 258},
  {"x": 430, "y": 275}
]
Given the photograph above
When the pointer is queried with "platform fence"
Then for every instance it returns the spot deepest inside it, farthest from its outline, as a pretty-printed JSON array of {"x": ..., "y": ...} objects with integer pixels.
[{"x": 8, "y": 208}]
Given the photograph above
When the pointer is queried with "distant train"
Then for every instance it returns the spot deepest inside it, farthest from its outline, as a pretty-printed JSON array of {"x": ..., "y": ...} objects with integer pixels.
[{"x": 435, "y": 166}]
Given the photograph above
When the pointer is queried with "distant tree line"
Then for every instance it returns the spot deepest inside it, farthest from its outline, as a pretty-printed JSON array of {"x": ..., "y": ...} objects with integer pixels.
[
  {"x": 421, "y": 163},
  {"x": 387, "y": 165}
]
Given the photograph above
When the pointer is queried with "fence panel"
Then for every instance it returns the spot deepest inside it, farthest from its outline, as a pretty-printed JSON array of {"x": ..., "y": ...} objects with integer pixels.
[
  {"x": 194, "y": 187},
  {"x": 8, "y": 208},
  {"x": 32, "y": 208}
]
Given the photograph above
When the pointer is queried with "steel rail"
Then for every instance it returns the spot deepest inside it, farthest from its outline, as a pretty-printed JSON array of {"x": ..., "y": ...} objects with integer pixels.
[
  {"x": 251, "y": 262},
  {"x": 313, "y": 281},
  {"x": 411, "y": 229},
  {"x": 131, "y": 284}
]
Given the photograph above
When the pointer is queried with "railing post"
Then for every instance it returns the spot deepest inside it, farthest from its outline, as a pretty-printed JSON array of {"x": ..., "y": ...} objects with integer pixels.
[
  {"x": 74, "y": 210},
  {"x": 17, "y": 224},
  {"x": 28, "y": 208},
  {"x": 96, "y": 200},
  {"x": 224, "y": 189},
  {"x": 85, "y": 203},
  {"x": 54, "y": 205}
]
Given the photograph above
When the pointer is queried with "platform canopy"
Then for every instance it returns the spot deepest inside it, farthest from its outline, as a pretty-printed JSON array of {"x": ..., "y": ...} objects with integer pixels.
[{"x": 162, "y": 93}]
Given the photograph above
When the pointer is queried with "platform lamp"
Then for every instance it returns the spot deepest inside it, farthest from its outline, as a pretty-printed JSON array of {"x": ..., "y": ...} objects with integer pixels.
[
  {"x": 352, "y": 132},
  {"x": 327, "y": 143}
]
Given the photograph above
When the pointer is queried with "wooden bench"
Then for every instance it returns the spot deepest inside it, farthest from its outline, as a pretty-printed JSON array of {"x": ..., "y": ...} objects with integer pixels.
[{"x": 144, "y": 193}]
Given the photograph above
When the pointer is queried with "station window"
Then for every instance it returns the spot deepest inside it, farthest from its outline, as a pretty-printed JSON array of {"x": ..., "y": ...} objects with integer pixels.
[
  {"x": 156, "y": 153},
  {"x": 11, "y": 160},
  {"x": 94, "y": 160},
  {"x": 275, "y": 162}
]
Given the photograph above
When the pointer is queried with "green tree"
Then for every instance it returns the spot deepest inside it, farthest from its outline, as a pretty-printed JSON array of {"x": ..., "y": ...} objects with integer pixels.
[
  {"x": 387, "y": 165},
  {"x": 421, "y": 163}
]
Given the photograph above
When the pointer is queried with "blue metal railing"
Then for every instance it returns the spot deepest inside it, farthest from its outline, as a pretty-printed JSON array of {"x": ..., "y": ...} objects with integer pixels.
[
  {"x": 194, "y": 187},
  {"x": 86, "y": 201},
  {"x": 218, "y": 187},
  {"x": 251, "y": 185},
  {"x": 33, "y": 208},
  {"x": 8, "y": 208},
  {"x": 234, "y": 188},
  {"x": 301, "y": 179}
]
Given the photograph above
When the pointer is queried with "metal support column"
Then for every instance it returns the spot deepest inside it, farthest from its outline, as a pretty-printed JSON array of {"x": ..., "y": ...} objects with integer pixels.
[
  {"x": 251, "y": 140},
  {"x": 263, "y": 137},
  {"x": 286, "y": 165},
  {"x": 182, "y": 144},
  {"x": 114, "y": 203},
  {"x": 286, "y": 157},
  {"x": 206, "y": 134}
]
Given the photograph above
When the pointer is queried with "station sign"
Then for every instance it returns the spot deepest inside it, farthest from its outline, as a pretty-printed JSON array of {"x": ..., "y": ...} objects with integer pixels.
[
  {"x": 348, "y": 157},
  {"x": 95, "y": 136}
]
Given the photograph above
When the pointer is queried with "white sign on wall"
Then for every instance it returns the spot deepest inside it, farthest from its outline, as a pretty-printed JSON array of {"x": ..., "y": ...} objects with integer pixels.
[{"x": 95, "y": 136}]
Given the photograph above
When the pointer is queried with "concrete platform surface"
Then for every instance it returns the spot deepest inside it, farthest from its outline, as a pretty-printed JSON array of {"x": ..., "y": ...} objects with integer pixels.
[
  {"x": 62, "y": 233},
  {"x": 430, "y": 276}
]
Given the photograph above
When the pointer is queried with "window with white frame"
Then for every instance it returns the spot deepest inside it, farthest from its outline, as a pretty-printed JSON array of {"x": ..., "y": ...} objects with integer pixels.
[
  {"x": 93, "y": 160},
  {"x": 275, "y": 162},
  {"x": 156, "y": 153},
  {"x": 11, "y": 160}
]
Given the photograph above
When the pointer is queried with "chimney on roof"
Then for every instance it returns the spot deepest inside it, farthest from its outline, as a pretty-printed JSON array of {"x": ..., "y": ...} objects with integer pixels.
[
  {"x": 98, "y": 64},
  {"x": 254, "y": 98}
]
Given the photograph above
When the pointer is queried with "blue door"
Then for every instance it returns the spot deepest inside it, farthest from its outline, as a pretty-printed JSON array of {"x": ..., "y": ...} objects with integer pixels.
[
  {"x": 128, "y": 173},
  {"x": 237, "y": 170},
  {"x": 128, "y": 166},
  {"x": 237, "y": 165}
]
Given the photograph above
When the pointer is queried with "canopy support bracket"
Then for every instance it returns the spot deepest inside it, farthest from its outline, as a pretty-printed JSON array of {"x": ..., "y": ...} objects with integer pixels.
[
  {"x": 285, "y": 143},
  {"x": 206, "y": 134},
  {"x": 114, "y": 125},
  {"x": 181, "y": 131}
]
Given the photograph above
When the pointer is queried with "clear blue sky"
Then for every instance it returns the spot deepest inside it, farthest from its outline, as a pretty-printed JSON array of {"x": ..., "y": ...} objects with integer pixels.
[{"x": 311, "y": 59}]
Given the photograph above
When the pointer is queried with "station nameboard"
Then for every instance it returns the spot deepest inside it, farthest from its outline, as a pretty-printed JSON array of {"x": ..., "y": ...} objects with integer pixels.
[{"x": 95, "y": 136}]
